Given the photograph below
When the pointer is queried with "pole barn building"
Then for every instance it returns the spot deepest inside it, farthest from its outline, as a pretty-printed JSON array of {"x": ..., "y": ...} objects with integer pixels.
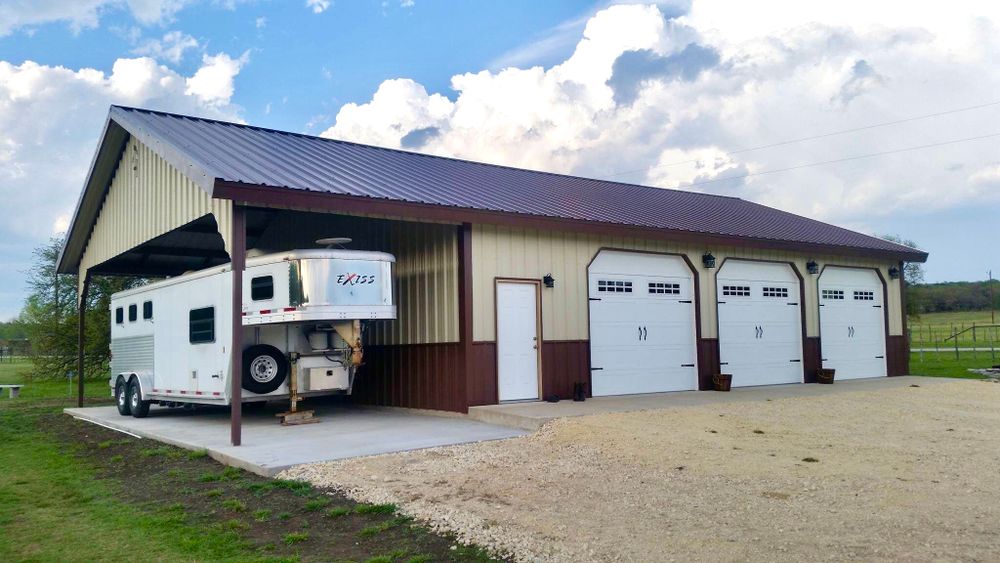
[{"x": 510, "y": 284}]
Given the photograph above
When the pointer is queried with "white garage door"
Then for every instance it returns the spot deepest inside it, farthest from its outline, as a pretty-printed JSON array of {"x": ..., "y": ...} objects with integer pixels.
[
  {"x": 852, "y": 322},
  {"x": 642, "y": 324},
  {"x": 760, "y": 323}
]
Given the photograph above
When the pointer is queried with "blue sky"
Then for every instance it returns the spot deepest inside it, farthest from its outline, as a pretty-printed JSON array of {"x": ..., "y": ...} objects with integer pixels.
[{"x": 666, "y": 94}]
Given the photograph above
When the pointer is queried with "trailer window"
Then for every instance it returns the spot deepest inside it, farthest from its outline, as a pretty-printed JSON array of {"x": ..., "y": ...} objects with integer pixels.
[
  {"x": 201, "y": 327},
  {"x": 147, "y": 310},
  {"x": 262, "y": 288},
  {"x": 119, "y": 316},
  {"x": 133, "y": 313}
]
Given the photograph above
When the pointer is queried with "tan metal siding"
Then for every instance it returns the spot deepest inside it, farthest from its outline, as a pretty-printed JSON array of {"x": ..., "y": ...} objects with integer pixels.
[
  {"x": 147, "y": 198},
  {"x": 499, "y": 251}
]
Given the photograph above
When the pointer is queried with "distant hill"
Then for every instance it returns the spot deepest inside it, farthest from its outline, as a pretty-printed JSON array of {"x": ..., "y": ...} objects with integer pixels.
[{"x": 953, "y": 296}]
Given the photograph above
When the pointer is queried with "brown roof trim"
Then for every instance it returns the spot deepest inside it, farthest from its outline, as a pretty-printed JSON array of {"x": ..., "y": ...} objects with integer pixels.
[{"x": 305, "y": 199}]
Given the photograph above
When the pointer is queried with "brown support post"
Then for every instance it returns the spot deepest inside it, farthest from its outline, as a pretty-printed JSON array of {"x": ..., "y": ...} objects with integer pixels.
[
  {"x": 81, "y": 338},
  {"x": 238, "y": 253},
  {"x": 465, "y": 307}
]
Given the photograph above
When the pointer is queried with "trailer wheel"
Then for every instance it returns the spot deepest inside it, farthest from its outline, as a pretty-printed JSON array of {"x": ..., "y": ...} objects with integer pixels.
[
  {"x": 122, "y": 397},
  {"x": 138, "y": 407},
  {"x": 264, "y": 369}
]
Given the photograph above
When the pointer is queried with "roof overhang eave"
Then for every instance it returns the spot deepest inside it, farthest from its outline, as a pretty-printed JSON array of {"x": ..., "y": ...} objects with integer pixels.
[{"x": 304, "y": 199}]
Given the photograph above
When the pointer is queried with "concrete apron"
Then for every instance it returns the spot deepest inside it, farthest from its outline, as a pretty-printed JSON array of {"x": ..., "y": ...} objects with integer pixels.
[
  {"x": 345, "y": 431},
  {"x": 532, "y": 415}
]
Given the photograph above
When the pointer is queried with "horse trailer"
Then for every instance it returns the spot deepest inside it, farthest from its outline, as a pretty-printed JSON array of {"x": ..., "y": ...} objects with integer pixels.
[{"x": 304, "y": 313}]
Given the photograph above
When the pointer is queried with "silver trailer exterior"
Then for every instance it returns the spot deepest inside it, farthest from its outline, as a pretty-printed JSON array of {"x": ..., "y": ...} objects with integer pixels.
[{"x": 303, "y": 316}]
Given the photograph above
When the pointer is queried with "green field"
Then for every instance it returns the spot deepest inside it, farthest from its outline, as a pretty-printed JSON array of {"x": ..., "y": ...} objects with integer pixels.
[
  {"x": 944, "y": 364},
  {"x": 72, "y": 491},
  {"x": 931, "y": 330}
]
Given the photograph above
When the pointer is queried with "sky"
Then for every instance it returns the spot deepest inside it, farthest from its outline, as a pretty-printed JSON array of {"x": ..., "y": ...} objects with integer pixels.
[{"x": 883, "y": 117}]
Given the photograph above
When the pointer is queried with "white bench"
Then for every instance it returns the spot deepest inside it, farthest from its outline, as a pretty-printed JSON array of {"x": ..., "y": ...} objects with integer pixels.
[{"x": 15, "y": 390}]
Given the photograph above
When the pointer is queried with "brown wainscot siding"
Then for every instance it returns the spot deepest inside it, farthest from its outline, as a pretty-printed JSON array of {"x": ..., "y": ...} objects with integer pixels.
[
  {"x": 481, "y": 384},
  {"x": 564, "y": 363},
  {"x": 812, "y": 358},
  {"x": 708, "y": 362},
  {"x": 420, "y": 376},
  {"x": 897, "y": 356}
]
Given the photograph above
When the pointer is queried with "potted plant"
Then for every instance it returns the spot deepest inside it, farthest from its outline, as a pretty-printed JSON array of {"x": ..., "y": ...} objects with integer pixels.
[
  {"x": 722, "y": 381},
  {"x": 825, "y": 376}
]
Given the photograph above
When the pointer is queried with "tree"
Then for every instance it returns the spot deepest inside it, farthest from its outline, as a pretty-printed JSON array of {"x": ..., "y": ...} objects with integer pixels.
[
  {"x": 913, "y": 274},
  {"x": 50, "y": 317}
]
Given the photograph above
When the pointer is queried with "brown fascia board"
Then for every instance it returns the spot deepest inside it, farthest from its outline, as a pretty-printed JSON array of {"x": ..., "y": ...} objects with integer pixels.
[{"x": 250, "y": 194}]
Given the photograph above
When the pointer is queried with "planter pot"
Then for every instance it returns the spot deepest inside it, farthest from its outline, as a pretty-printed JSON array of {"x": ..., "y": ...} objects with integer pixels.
[
  {"x": 825, "y": 376},
  {"x": 722, "y": 381}
]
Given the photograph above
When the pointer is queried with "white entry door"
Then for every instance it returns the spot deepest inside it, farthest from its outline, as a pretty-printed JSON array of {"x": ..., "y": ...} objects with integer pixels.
[
  {"x": 760, "y": 323},
  {"x": 642, "y": 324},
  {"x": 517, "y": 340},
  {"x": 852, "y": 322}
]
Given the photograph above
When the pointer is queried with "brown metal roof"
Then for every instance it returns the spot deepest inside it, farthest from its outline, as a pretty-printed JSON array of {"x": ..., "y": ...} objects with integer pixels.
[{"x": 216, "y": 153}]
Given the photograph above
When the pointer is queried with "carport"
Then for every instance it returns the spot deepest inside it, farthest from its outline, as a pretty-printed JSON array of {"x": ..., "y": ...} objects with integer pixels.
[{"x": 150, "y": 208}]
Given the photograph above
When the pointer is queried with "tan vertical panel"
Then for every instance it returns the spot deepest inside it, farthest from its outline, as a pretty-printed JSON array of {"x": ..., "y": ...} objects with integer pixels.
[{"x": 147, "y": 198}]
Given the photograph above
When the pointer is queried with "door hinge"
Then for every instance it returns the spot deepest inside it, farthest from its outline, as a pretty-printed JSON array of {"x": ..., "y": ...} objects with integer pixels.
[
  {"x": 793, "y": 303},
  {"x": 877, "y": 306},
  {"x": 596, "y": 369},
  {"x": 593, "y": 298},
  {"x": 687, "y": 365},
  {"x": 794, "y": 360},
  {"x": 723, "y": 363},
  {"x": 880, "y": 357},
  {"x": 721, "y": 302},
  {"x": 686, "y": 301}
]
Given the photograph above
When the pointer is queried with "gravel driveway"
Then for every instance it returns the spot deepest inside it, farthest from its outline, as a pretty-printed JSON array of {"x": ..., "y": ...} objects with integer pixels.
[{"x": 910, "y": 473}]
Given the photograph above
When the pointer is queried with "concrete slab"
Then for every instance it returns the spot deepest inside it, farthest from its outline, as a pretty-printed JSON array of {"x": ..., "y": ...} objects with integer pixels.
[
  {"x": 345, "y": 431},
  {"x": 532, "y": 415}
]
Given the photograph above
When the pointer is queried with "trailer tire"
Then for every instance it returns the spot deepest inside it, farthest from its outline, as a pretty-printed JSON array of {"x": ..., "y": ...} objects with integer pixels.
[
  {"x": 264, "y": 369},
  {"x": 138, "y": 407},
  {"x": 122, "y": 397}
]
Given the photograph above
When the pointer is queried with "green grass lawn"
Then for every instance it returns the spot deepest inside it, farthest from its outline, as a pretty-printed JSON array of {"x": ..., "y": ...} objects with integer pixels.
[
  {"x": 944, "y": 364},
  {"x": 72, "y": 491}
]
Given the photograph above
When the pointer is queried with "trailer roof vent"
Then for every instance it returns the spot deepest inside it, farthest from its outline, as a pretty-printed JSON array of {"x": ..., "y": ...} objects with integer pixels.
[{"x": 334, "y": 241}]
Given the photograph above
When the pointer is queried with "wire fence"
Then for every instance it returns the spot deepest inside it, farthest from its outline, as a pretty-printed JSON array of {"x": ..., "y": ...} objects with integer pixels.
[{"x": 976, "y": 340}]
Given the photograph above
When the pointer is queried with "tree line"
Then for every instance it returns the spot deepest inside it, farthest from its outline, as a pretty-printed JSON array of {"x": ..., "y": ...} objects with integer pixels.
[{"x": 953, "y": 297}]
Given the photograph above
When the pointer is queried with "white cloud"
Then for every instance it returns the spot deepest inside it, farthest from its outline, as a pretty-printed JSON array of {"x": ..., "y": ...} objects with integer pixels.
[
  {"x": 50, "y": 119},
  {"x": 212, "y": 84},
  {"x": 260, "y": 23},
  {"x": 407, "y": 3},
  {"x": 81, "y": 14},
  {"x": 318, "y": 6},
  {"x": 170, "y": 48},
  {"x": 646, "y": 88}
]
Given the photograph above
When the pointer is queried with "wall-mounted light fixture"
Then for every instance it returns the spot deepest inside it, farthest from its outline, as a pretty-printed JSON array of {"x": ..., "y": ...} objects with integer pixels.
[
  {"x": 548, "y": 280},
  {"x": 894, "y": 273},
  {"x": 812, "y": 267},
  {"x": 708, "y": 260}
]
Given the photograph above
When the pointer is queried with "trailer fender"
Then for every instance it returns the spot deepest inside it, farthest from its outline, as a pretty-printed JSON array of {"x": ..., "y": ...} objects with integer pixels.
[{"x": 145, "y": 380}]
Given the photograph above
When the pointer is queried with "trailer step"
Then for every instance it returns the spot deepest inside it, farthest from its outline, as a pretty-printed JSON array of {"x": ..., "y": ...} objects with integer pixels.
[{"x": 297, "y": 417}]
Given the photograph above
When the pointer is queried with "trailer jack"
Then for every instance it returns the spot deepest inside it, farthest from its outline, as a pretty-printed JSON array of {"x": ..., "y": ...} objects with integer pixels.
[{"x": 293, "y": 416}]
